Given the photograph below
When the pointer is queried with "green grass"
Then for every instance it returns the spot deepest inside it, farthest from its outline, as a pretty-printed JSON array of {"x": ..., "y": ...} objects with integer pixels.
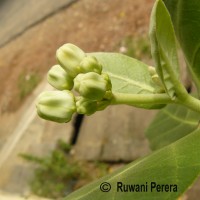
[
  {"x": 58, "y": 174},
  {"x": 27, "y": 83}
]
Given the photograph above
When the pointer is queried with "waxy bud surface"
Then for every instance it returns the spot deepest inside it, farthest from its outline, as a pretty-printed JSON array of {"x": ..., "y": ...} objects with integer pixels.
[
  {"x": 59, "y": 78},
  {"x": 69, "y": 57},
  {"x": 90, "y": 64},
  {"x": 91, "y": 85},
  {"x": 86, "y": 106},
  {"x": 57, "y": 106}
]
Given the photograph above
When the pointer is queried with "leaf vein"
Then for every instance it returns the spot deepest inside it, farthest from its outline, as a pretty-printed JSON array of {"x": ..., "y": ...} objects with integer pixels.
[
  {"x": 190, "y": 122},
  {"x": 132, "y": 82}
]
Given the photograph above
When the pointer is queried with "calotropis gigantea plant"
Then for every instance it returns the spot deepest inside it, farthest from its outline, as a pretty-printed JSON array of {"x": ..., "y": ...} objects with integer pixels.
[{"x": 103, "y": 79}]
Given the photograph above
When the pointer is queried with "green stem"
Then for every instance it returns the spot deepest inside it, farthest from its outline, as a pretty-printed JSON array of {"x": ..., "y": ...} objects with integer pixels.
[
  {"x": 190, "y": 102},
  {"x": 180, "y": 90},
  {"x": 133, "y": 99}
]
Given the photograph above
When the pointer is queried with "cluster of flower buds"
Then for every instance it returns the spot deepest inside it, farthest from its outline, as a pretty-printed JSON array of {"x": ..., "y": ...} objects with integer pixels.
[{"x": 80, "y": 72}]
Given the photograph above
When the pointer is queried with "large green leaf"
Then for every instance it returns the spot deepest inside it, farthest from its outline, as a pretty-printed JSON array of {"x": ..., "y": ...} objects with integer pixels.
[
  {"x": 163, "y": 47},
  {"x": 177, "y": 163},
  {"x": 171, "y": 123},
  {"x": 186, "y": 19},
  {"x": 128, "y": 75}
]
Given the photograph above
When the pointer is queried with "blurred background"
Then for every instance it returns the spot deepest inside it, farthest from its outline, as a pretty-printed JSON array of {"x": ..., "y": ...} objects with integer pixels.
[{"x": 39, "y": 158}]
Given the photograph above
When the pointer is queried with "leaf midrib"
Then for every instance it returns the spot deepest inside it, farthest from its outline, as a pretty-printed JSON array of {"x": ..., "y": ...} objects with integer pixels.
[
  {"x": 190, "y": 122},
  {"x": 132, "y": 82}
]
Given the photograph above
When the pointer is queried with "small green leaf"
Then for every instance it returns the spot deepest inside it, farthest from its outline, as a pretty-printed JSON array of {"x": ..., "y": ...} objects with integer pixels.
[
  {"x": 128, "y": 75},
  {"x": 186, "y": 19},
  {"x": 177, "y": 163},
  {"x": 171, "y": 123},
  {"x": 164, "y": 51}
]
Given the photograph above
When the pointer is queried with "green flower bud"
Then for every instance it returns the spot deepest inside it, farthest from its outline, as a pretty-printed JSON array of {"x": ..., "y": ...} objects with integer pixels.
[
  {"x": 59, "y": 78},
  {"x": 90, "y": 64},
  {"x": 152, "y": 70},
  {"x": 86, "y": 106},
  {"x": 57, "y": 106},
  {"x": 107, "y": 79},
  {"x": 91, "y": 85},
  {"x": 69, "y": 57}
]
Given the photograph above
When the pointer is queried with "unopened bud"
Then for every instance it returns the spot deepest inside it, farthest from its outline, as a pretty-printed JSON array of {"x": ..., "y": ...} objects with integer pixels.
[
  {"x": 59, "y": 78},
  {"x": 57, "y": 106},
  {"x": 91, "y": 85},
  {"x": 107, "y": 79},
  {"x": 69, "y": 57},
  {"x": 86, "y": 106},
  {"x": 90, "y": 64},
  {"x": 152, "y": 70}
]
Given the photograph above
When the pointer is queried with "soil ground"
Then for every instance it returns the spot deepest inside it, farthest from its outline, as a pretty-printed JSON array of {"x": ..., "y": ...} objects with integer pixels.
[{"x": 92, "y": 25}]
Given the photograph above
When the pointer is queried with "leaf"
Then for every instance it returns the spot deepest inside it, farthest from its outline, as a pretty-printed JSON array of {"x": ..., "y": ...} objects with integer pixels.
[
  {"x": 163, "y": 47},
  {"x": 128, "y": 75},
  {"x": 186, "y": 19},
  {"x": 171, "y": 123},
  {"x": 177, "y": 163}
]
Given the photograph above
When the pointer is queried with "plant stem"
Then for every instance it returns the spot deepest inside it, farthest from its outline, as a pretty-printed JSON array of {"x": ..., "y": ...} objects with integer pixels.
[
  {"x": 180, "y": 90},
  {"x": 133, "y": 99},
  {"x": 190, "y": 102}
]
